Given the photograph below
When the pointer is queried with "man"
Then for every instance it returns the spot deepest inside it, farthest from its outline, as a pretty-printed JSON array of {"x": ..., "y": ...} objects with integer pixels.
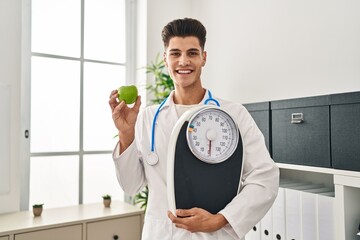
[{"x": 136, "y": 166}]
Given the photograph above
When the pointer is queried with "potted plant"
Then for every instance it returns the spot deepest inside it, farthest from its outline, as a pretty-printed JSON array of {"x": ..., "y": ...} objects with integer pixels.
[
  {"x": 159, "y": 90},
  {"x": 163, "y": 84},
  {"x": 142, "y": 197},
  {"x": 37, "y": 209},
  {"x": 106, "y": 200}
]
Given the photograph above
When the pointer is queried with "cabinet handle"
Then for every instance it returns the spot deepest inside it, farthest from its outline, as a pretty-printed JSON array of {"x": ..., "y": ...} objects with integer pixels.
[
  {"x": 115, "y": 237},
  {"x": 297, "y": 118}
]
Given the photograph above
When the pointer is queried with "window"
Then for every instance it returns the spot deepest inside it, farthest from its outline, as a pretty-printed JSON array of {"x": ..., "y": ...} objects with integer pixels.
[{"x": 78, "y": 55}]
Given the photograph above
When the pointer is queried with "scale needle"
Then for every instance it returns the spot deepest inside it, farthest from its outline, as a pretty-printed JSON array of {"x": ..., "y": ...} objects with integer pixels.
[{"x": 209, "y": 151}]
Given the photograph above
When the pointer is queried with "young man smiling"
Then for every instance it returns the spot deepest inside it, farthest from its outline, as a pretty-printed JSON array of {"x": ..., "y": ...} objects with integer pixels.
[{"x": 184, "y": 56}]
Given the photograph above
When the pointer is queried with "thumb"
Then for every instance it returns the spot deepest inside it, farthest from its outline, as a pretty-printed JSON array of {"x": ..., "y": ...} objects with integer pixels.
[{"x": 137, "y": 104}]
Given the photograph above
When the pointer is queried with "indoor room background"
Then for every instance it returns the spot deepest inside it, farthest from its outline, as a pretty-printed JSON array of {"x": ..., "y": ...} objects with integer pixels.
[{"x": 257, "y": 51}]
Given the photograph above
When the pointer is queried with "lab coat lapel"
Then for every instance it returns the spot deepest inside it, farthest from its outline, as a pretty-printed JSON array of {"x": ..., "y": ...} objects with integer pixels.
[{"x": 166, "y": 121}]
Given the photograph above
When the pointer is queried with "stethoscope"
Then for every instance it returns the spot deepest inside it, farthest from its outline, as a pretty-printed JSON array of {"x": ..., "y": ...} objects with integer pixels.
[{"x": 152, "y": 159}]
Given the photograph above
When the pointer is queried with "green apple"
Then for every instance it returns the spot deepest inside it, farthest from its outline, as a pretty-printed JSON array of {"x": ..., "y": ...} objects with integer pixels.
[{"x": 128, "y": 94}]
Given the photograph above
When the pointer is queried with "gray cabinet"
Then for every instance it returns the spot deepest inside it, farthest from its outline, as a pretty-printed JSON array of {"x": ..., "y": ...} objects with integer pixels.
[
  {"x": 320, "y": 131},
  {"x": 345, "y": 131},
  {"x": 261, "y": 114},
  {"x": 301, "y": 131}
]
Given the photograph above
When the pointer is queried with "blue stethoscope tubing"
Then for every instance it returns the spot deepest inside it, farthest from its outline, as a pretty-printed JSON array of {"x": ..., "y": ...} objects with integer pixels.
[{"x": 153, "y": 158}]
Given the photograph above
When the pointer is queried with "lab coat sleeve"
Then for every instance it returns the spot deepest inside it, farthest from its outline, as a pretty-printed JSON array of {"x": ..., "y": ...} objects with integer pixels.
[
  {"x": 260, "y": 181},
  {"x": 129, "y": 169}
]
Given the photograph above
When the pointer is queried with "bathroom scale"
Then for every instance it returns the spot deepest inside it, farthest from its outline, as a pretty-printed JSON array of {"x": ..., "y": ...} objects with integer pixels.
[{"x": 205, "y": 160}]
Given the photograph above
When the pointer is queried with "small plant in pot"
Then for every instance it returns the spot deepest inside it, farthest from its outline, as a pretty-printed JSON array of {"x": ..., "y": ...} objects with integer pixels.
[
  {"x": 106, "y": 200},
  {"x": 37, "y": 209}
]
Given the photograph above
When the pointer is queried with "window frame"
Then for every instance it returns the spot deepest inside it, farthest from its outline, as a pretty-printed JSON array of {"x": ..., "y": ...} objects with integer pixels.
[{"x": 130, "y": 73}]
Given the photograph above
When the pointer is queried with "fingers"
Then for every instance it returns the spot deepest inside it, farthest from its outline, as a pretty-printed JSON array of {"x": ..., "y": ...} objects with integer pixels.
[
  {"x": 178, "y": 221},
  {"x": 186, "y": 212},
  {"x": 116, "y": 111},
  {"x": 137, "y": 104},
  {"x": 171, "y": 216},
  {"x": 113, "y": 92},
  {"x": 113, "y": 101}
]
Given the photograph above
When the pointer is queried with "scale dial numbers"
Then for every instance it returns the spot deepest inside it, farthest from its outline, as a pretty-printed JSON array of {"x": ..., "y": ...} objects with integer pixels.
[{"x": 212, "y": 135}]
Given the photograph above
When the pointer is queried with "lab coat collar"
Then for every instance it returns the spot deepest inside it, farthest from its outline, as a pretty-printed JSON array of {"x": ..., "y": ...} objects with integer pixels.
[{"x": 170, "y": 100}]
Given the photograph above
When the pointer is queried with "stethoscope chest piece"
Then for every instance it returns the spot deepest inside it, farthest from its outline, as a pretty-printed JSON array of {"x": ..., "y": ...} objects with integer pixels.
[{"x": 152, "y": 158}]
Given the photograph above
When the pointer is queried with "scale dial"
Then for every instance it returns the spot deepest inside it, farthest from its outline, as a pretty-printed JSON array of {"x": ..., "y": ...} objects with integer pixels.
[{"x": 212, "y": 135}]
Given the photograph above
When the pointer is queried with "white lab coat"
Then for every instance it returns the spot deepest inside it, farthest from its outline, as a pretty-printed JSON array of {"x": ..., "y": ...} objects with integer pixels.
[{"x": 260, "y": 177}]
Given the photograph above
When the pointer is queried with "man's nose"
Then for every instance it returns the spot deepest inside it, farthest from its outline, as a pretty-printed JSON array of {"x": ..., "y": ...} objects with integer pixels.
[{"x": 184, "y": 60}]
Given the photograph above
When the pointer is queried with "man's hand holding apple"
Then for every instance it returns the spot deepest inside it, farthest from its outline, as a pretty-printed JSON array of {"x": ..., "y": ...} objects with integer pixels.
[{"x": 124, "y": 117}]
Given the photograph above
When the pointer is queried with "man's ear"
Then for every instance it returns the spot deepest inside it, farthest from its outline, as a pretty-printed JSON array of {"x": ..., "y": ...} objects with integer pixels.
[{"x": 204, "y": 58}]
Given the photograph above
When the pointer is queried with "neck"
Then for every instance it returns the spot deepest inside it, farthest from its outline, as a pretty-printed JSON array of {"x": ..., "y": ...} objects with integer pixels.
[{"x": 189, "y": 96}]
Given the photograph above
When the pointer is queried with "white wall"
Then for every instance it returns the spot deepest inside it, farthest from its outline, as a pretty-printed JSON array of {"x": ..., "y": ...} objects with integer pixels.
[
  {"x": 10, "y": 76},
  {"x": 153, "y": 15},
  {"x": 159, "y": 13},
  {"x": 269, "y": 50},
  {"x": 266, "y": 50}
]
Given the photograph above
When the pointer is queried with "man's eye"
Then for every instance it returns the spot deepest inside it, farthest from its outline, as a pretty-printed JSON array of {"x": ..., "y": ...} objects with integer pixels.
[
  {"x": 193, "y": 53},
  {"x": 175, "y": 54}
]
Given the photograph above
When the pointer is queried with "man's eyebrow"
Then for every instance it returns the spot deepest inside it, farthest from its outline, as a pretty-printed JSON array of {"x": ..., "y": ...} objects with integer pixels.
[
  {"x": 174, "y": 50},
  {"x": 193, "y": 50},
  {"x": 189, "y": 50}
]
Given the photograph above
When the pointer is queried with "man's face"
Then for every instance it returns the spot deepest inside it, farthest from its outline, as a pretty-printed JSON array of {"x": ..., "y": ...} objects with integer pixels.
[{"x": 184, "y": 59}]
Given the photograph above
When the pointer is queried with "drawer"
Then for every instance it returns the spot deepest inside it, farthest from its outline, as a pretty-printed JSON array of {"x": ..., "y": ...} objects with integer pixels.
[
  {"x": 4, "y": 238},
  {"x": 307, "y": 141},
  {"x": 62, "y": 233},
  {"x": 345, "y": 131},
  {"x": 127, "y": 228},
  {"x": 261, "y": 114}
]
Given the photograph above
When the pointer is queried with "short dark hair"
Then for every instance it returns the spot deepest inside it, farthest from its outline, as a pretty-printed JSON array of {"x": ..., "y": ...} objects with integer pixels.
[{"x": 185, "y": 27}]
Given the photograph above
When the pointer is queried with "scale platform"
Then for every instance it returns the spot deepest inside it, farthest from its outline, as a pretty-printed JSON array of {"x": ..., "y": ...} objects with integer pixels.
[{"x": 195, "y": 183}]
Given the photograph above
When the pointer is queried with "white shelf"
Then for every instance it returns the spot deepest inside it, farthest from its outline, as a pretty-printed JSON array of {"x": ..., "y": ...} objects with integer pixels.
[
  {"x": 335, "y": 172},
  {"x": 347, "y": 194}
]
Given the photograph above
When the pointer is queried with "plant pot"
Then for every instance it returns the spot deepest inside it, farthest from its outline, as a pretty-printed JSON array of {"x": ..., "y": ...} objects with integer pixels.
[
  {"x": 37, "y": 211},
  {"x": 107, "y": 202}
]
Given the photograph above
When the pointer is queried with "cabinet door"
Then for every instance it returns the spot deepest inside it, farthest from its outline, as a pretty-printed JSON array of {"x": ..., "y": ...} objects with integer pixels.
[
  {"x": 305, "y": 143},
  {"x": 61, "y": 233},
  {"x": 128, "y": 228},
  {"x": 345, "y": 136},
  {"x": 4, "y": 238}
]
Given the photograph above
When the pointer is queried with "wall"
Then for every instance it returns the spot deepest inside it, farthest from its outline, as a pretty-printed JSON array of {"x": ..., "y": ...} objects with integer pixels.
[
  {"x": 153, "y": 15},
  {"x": 10, "y": 77},
  {"x": 269, "y": 50}
]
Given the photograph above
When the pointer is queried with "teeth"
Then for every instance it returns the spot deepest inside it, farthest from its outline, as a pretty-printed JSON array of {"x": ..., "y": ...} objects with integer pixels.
[{"x": 184, "y": 71}]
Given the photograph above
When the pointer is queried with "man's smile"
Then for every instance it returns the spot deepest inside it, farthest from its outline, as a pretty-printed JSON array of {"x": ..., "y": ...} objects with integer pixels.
[{"x": 184, "y": 71}]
